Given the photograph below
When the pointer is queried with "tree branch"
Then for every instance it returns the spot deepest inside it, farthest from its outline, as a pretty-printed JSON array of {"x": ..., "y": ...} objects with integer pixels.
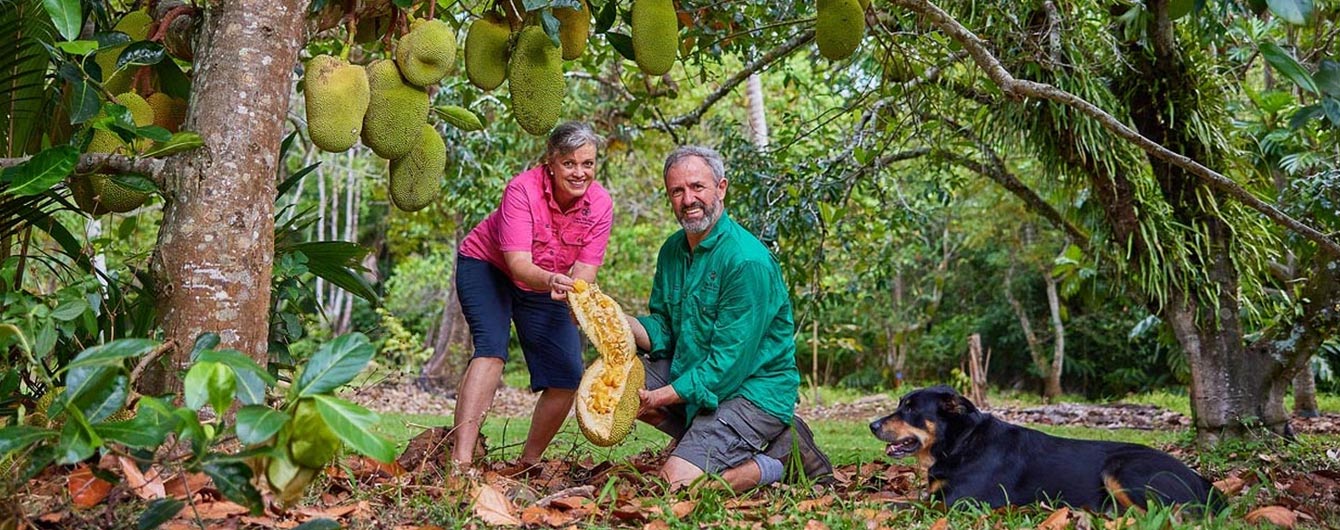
[
  {"x": 690, "y": 119},
  {"x": 151, "y": 168},
  {"x": 1020, "y": 88}
]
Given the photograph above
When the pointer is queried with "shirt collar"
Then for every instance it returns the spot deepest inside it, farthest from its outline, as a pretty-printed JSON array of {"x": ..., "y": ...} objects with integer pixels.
[{"x": 718, "y": 230}]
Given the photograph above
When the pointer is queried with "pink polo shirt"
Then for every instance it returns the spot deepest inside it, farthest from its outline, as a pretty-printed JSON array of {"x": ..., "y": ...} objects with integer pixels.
[{"x": 529, "y": 219}]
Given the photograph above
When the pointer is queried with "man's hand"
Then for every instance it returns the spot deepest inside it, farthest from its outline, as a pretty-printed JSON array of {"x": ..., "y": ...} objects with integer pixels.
[{"x": 652, "y": 400}]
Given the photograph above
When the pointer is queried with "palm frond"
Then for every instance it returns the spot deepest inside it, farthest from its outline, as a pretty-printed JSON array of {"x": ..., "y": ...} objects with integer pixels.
[{"x": 24, "y": 65}]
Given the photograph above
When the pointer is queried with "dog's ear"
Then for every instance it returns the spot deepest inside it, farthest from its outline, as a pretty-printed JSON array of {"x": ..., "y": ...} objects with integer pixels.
[{"x": 957, "y": 404}]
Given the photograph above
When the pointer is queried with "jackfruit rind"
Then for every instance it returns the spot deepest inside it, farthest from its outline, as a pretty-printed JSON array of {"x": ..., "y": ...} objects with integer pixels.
[
  {"x": 602, "y": 320},
  {"x": 427, "y": 53},
  {"x": 416, "y": 177},
  {"x": 135, "y": 24},
  {"x": 486, "y": 51},
  {"x": 170, "y": 112},
  {"x": 655, "y": 35},
  {"x": 574, "y": 28},
  {"x": 460, "y": 118},
  {"x": 839, "y": 27},
  {"x": 336, "y": 95},
  {"x": 396, "y": 111},
  {"x": 106, "y": 194},
  {"x": 535, "y": 80},
  {"x": 603, "y": 420}
]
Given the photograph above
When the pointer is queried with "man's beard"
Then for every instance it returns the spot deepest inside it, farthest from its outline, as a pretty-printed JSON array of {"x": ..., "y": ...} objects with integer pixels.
[{"x": 711, "y": 212}]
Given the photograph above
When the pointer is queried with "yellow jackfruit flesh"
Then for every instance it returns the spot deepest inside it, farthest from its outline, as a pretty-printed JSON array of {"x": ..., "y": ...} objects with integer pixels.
[
  {"x": 535, "y": 79},
  {"x": 839, "y": 27},
  {"x": 416, "y": 177},
  {"x": 607, "y": 400},
  {"x": 574, "y": 28},
  {"x": 169, "y": 112},
  {"x": 336, "y": 95},
  {"x": 486, "y": 51},
  {"x": 396, "y": 111},
  {"x": 655, "y": 35},
  {"x": 427, "y": 53}
]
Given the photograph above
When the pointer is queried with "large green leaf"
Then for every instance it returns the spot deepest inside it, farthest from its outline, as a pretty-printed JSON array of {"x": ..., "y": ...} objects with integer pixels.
[
  {"x": 159, "y": 511},
  {"x": 257, "y": 423},
  {"x": 20, "y": 436},
  {"x": 66, "y": 15},
  {"x": 1283, "y": 61},
  {"x": 252, "y": 380},
  {"x": 179, "y": 142},
  {"x": 76, "y": 443},
  {"x": 111, "y": 353},
  {"x": 1294, "y": 11},
  {"x": 233, "y": 479},
  {"x": 338, "y": 262},
  {"x": 1328, "y": 77},
  {"x": 353, "y": 425},
  {"x": 334, "y": 364},
  {"x": 39, "y": 173},
  {"x": 27, "y": 98},
  {"x": 97, "y": 392},
  {"x": 144, "y": 431},
  {"x": 143, "y": 53},
  {"x": 209, "y": 382}
]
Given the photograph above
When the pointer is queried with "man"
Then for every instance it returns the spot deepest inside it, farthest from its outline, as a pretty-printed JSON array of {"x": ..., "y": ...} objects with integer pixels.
[{"x": 721, "y": 373}]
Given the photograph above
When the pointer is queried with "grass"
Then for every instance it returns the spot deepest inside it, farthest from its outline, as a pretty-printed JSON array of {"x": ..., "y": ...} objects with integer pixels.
[{"x": 848, "y": 442}]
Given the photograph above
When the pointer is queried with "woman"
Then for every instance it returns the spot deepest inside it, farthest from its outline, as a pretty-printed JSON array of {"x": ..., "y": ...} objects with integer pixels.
[{"x": 517, "y": 266}]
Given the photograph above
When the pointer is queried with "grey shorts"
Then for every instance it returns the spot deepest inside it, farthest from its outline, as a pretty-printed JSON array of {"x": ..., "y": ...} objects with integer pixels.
[{"x": 715, "y": 440}]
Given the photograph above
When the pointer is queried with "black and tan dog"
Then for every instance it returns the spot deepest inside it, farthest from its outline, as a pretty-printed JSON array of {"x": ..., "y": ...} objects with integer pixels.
[{"x": 970, "y": 455}]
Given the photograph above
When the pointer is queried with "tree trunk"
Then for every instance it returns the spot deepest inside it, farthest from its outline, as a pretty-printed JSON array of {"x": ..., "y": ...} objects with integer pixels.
[
  {"x": 1305, "y": 392},
  {"x": 216, "y": 246},
  {"x": 1053, "y": 389},
  {"x": 451, "y": 341},
  {"x": 1034, "y": 343}
]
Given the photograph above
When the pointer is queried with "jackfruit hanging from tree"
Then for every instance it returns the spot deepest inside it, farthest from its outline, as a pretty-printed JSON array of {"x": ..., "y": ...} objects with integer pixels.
[
  {"x": 574, "y": 28},
  {"x": 170, "y": 112},
  {"x": 839, "y": 27},
  {"x": 535, "y": 80},
  {"x": 416, "y": 177},
  {"x": 337, "y": 97},
  {"x": 98, "y": 193},
  {"x": 134, "y": 24},
  {"x": 655, "y": 35},
  {"x": 607, "y": 400},
  {"x": 486, "y": 51},
  {"x": 427, "y": 53},
  {"x": 396, "y": 111}
]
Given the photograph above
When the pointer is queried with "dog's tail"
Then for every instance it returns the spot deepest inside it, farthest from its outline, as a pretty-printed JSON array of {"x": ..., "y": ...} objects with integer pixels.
[{"x": 1138, "y": 480}]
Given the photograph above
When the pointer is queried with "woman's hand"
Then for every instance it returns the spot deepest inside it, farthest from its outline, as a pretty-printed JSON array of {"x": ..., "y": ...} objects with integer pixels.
[{"x": 559, "y": 285}]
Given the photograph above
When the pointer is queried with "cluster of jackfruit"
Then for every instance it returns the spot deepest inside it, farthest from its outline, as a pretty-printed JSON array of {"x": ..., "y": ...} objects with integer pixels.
[
  {"x": 98, "y": 193},
  {"x": 607, "y": 400},
  {"x": 839, "y": 27},
  {"x": 303, "y": 447}
]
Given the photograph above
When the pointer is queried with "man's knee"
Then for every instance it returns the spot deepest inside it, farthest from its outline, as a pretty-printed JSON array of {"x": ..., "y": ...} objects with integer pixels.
[{"x": 679, "y": 472}]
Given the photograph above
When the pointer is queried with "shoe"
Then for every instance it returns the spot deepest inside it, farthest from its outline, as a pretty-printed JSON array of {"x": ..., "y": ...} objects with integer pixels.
[{"x": 799, "y": 441}]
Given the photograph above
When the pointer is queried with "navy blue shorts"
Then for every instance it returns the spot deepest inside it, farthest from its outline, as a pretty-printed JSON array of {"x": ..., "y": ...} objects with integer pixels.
[{"x": 549, "y": 338}]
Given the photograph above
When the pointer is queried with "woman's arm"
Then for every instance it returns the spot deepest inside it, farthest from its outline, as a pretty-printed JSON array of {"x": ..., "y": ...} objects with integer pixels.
[{"x": 524, "y": 269}]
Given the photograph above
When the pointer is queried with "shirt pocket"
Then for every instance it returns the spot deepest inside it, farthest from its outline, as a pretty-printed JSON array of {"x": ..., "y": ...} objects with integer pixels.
[
  {"x": 571, "y": 246},
  {"x": 701, "y": 308},
  {"x": 543, "y": 250}
]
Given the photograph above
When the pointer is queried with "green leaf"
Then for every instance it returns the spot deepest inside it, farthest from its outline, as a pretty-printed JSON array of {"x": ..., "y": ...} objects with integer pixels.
[
  {"x": 318, "y": 524},
  {"x": 104, "y": 399},
  {"x": 146, "y": 430},
  {"x": 203, "y": 342},
  {"x": 84, "y": 101},
  {"x": 550, "y": 24},
  {"x": 1332, "y": 109},
  {"x": 143, "y": 53},
  {"x": 20, "y": 436},
  {"x": 459, "y": 117},
  {"x": 179, "y": 142},
  {"x": 135, "y": 182},
  {"x": 1304, "y": 115},
  {"x": 339, "y": 263},
  {"x": 251, "y": 378},
  {"x": 353, "y": 425},
  {"x": 39, "y": 173},
  {"x": 172, "y": 80},
  {"x": 112, "y": 353},
  {"x": 66, "y": 16},
  {"x": 403, "y": 4},
  {"x": 605, "y": 20},
  {"x": 154, "y": 132},
  {"x": 76, "y": 443},
  {"x": 1296, "y": 12},
  {"x": 209, "y": 382},
  {"x": 622, "y": 44},
  {"x": 70, "y": 309},
  {"x": 1328, "y": 77},
  {"x": 78, "y": 47},
  {"x": 159, "y": 511},
  {"x": 292, "y": 180},
  {"x": 257, "y": 423},
  {"x": 334, "y": 364},
  {"x": 233, "y": 479},
  {"x": 1283, "y": 61}
]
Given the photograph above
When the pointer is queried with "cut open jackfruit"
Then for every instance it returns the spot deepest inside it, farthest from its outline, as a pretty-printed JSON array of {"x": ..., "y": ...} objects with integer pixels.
[{"x": 607, "y": 400}]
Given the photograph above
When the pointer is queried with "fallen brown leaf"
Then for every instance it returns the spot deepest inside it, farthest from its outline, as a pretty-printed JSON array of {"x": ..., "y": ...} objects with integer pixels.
[
  {"x": 533, "y": 515},
  {"x": 658, "y": 524},
  {"x": 1058, "y": 520},
  {"x": 940, "y": 524},
  {"x": 1230, "y": 485},
  {"x": 568, "y": 503},
  {"x": 682, "y": 509},
  {"x": 266, "y": 521},
  {"x": 811, "y": 504},
  {"x": 146, "y": 486},
  {"x": 1119, "y": 523},
  {"x": 493, "y": 508},
  {"x": 215, "y": 510},
  {"x": 182, "y": 484},
  {"x": 1276, "y": 515},
  {"x": 815, "y": 525},
  {"x": 53, "y": 517},
  {"x": 85, "y": 489}
]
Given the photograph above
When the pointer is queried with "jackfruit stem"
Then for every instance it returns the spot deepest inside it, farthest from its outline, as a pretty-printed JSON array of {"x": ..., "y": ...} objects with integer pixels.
[{"x": 350, "y": 30}]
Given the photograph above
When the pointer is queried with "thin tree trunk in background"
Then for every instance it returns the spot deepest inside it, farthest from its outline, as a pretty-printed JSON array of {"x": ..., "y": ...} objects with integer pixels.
[
  {"x": 353, "y": 200},
  {"x": 1053, "y": 390},
  {"x": 215, "y": 249},
  {"x": 320, "y": 175},
  {"x": 977, "y": 367},
  {"x": 758, "y": 118},
  {"x": 1305, "y": 392},
  {"x": 451, "y": 340},
  {"x": 1034, "y": 343}
]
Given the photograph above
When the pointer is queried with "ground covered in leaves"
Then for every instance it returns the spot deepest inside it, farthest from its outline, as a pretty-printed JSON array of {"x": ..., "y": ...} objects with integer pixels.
[{"x": 419, "y": 491}]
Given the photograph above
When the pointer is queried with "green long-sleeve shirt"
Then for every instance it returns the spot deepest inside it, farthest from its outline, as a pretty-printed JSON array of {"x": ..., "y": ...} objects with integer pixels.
[{"x": 722, "y": 314}]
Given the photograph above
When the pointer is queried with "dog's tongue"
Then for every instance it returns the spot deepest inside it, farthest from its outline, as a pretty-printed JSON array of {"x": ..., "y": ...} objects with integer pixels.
[{"x": 898, "y": 448}]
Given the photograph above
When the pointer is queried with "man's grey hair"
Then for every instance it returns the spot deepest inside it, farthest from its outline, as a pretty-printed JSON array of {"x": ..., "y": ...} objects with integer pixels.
[
  {"x": 571, "y": 136},
  {"x": 708, "y": 155}
]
